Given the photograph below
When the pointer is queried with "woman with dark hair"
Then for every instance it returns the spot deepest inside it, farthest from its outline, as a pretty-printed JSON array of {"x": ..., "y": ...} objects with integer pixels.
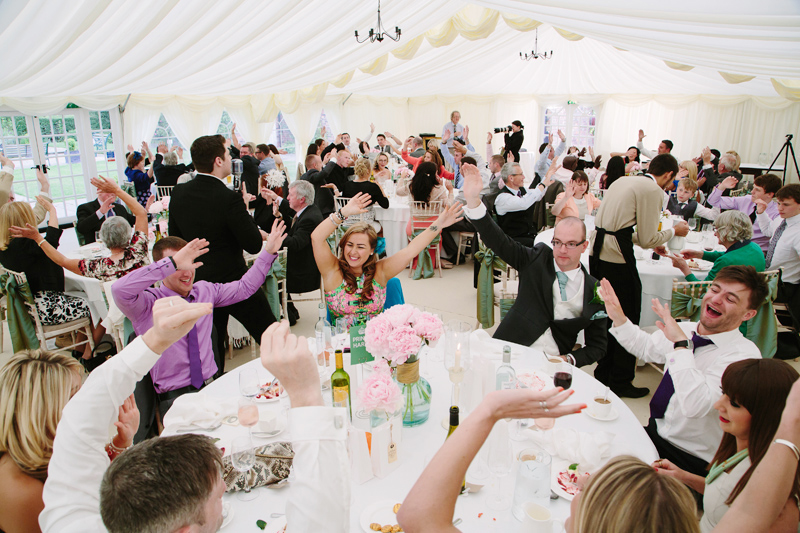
[
  {"x": 576, "y": 200},
  {"x": 513, "y": 142},
  {"x": 424, "y": 186},
  {"x": 430, "y": 156},
  {"x": 615, "y": 169},
  {"x": 754, "y": 393},
  {"x": 136, "y": 174},
  {"x": 355, "y": 281}
]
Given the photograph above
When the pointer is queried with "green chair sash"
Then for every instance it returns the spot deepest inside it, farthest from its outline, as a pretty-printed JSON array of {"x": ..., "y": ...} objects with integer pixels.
[
  {"x": 276, "y": 273},
  {"x": 424, "y": 266},
  {"x": 762, "y": 329},
  {"x": 685, "y": 305},
  {"x": 489, "y": 262},
  {"x": 20, "y": 325}
]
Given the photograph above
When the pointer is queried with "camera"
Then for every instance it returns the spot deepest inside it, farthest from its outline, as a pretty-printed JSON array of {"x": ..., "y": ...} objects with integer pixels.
[
  {"x": 459, "y": 140},
  {"x": 503, "y": 129},
  {"x": 43, "y": 168}
]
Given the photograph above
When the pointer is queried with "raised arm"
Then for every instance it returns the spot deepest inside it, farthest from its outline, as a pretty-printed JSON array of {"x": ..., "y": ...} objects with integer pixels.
[
  {"x": 146, "y": 150},
  {"x": 431, "y": 502},
  {"x": 326, "y": 261},
  {"x": 138, "y": 211}
]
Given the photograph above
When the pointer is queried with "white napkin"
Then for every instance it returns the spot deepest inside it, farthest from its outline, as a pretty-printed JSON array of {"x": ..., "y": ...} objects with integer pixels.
[
  {"x": 590, "y": 450},
  {"x": 198, "y": 411},
  {"x": 481, "y": 343}
]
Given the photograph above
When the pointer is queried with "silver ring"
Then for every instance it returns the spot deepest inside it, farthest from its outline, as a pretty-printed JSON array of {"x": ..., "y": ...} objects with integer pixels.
[{"x": 543, "y": 405}]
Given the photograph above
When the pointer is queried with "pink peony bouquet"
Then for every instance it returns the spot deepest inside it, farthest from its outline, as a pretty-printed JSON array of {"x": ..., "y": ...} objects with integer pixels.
[
  {"x": 158, "y": 206},
  {"x": 380, "y": 392},
  {"x": 404, "y": 172},
  {"x": 397, "y": 334}
]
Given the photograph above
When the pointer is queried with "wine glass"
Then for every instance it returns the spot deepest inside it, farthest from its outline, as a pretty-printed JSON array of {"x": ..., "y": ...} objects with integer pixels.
[
  {"x": 563, "y": 376},
  {"x": 248, "y": 412},
  {"x": 478, "y": 469},
  {"x": 520, "y": 425},
  {"x": 692, "y": 223},
  {"x": 249, "y": 385},
  {"x": 500, "y": 460},
  {"x": 341, "y": 331},
  {"x": 243, "y": 458}
]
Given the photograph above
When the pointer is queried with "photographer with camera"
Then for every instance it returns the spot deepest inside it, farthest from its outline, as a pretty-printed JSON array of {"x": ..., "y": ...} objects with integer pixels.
[{"x": 514, "y": 140}]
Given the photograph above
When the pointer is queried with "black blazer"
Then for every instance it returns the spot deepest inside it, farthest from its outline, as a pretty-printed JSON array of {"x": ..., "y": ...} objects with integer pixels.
[
  {"x": 302, "y": 274},
  {"x": 24, "y": 255},
  {"x": 352, "y": 188},
  {"x": 533, "y": 312},
  {"x": 167, "y": 175},
  {"x": 88, "y": 223},
  {"x": 513, "y": 143},
  {"x": 205, "y": 208}
]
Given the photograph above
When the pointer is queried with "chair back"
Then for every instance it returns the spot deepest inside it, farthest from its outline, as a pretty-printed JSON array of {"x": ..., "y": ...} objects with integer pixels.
[
  {"x": 369, "y": 216},
  {"x": 423, "y": 213},
  {"x": 80, "y": 236},
  {"x": 33, "y": 312},
  {"x": 686, "y": 299},
  {"x": 163, "y": 190}
]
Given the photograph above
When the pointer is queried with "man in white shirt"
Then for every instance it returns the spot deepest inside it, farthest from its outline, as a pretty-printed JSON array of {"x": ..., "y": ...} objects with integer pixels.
[
  {"x": 683, "y": 423},
  {"x": 664, "y": 147},
  {"x": 170, "y": 483},
  {"x": 547, "y": 155},
  {"x": 514, "y": 206},
  {"x": 784, "y": 245},
  {"x": 353, "y": 149}
]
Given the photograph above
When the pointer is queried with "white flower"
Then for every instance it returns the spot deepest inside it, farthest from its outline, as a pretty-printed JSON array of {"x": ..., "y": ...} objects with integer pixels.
[{"x": 275, "y": 178}]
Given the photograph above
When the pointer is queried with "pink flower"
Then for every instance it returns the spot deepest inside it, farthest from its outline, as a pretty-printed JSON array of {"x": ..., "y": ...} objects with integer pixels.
[
  {"x": 400, "y": 315},
  {"x": 376, "y": 335},
  {"x": 428, "y": 326},
  {"x": 165, "y": 201},
  {"x": 155, "y": 208},
  {"x": 403, "y": 342},
  {"x": 380, "y": 392}
]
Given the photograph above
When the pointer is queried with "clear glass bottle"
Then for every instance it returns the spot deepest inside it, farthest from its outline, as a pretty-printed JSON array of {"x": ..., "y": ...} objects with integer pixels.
[
  {"x": 323, "y": 334},
  {"x": 506, "y": 377}
]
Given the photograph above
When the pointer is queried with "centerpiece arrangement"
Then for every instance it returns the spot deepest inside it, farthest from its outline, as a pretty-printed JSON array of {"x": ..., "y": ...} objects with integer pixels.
[
  {"x": 395, "y": 338},
  {"x": 160, "y": 211}
]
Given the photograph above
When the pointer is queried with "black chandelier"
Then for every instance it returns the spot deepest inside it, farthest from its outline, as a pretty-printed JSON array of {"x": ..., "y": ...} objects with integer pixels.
[
  {"x": 534, "y": 53},
  {"x": 378, "y": 34}
]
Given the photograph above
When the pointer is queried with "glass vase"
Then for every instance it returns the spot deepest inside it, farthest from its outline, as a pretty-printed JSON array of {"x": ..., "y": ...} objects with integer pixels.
[{"x": 416, "y": 394}]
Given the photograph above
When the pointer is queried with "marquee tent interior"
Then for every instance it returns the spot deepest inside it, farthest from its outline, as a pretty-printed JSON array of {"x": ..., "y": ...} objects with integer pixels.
[{"x": 718, "y": 73}]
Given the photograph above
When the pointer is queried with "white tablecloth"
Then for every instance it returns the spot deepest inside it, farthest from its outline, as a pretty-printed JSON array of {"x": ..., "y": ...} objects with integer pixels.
[
  {"x": 656, "y": 278},
  {"x": 89, "y": 288},
  {"x": 420, "y": 444},
  {"x": 394, "y": 221}
]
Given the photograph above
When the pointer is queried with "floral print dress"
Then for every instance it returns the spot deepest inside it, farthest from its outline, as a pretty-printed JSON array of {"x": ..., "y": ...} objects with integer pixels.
[
  {"x": 343, "y": 304},
  {"x": 107, "y": 269}
]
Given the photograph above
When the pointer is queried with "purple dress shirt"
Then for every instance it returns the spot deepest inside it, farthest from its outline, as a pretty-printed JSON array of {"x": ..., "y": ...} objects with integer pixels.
[
  {"x": 746, "y": 205},
  {"x": 135, "y": 297}
]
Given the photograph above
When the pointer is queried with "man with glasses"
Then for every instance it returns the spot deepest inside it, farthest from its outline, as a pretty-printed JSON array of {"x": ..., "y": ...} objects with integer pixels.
[
  {"x": 514, "y": 206},
  {"x": 556, "y": 298}
]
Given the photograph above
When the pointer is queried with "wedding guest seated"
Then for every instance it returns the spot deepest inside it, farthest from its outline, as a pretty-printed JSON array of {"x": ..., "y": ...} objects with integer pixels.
[
  {"x": 380, "y": 169},
  {"x": 734, "y": 232},
  {"x": 754, "y": 394},
  {"x": 323, "y": 196},
  {"x": 35, "y": 385},
  {"x": 683, "y": 425},
  {"x": 337, "y": 171},
  {"x": 547, "y": 154},
  {"x": 424, "y": 186},
  {"x": 664, "y": 147},
  {"x": 166, "y": 168},
  {"x": 362, "y": 184},
  {"x": 685, "y": 205},
  {"x": 764, "y": 189},
  {"x": 136, "y": 174},
  {"x": 190, "y": 363},
  {"x": 45, "y": 278},
  {"x": 631, "y": 158},
  {"x": 301, "y": 216},
  {"x": 266, "y": 159},
  {"x": 727, "y": 167},
  {"x": 614, "y": 170},
  {"x": 514, "y": 206},
  {"x": 173, "y": 483},
  {"x": 784, "y": 245},
  {"x": 432, "y": 155},
  {"x": 7, "y": 190},
  {"x": 460, "y": 152},
  {"x": 567, "y": 169},
  {"x": 576, "y": 201},
  {"x": 355, "y": 281},
  {"x": 128, "y": 252},
  {"x": 91, "y": 215},
  {"x": 555, "y": 290}
]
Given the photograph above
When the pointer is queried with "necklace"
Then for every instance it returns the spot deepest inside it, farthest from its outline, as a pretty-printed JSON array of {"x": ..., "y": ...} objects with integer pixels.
[{"x": 730, "y": 462}]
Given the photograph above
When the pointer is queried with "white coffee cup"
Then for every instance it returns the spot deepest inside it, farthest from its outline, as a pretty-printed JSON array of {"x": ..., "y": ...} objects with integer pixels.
[
  {"x": 551, "y": 363},
  {"x": 539, "y": 519},
  {"x": 601, "y": 407}
]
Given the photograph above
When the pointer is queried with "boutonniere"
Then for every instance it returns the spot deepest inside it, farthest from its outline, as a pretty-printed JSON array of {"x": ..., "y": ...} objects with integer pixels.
[{"x": 597, "y": 299}]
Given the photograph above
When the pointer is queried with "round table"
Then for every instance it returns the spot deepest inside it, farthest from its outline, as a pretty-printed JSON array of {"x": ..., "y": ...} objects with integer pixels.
[
  {"x": 420, "y": 444},
  {"x": 394, "y": 221},
  {"x": 89, "y": 288},
  {"x": 656, "y": 276}
]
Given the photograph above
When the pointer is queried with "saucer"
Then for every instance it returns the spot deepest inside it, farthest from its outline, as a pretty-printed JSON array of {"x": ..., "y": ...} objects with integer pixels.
[
  {"x": 612, "y": 415},
  {"x": 227, "y": 514}
]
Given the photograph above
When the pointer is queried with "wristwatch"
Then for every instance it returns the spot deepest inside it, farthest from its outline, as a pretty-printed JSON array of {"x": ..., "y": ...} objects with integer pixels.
[{"x": 686, "y": 343}]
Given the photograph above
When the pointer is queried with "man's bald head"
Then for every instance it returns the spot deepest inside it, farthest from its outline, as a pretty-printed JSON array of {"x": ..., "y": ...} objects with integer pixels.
[
  {"x": 574, "y": 226},
  {"x": 569, "y": 242}
]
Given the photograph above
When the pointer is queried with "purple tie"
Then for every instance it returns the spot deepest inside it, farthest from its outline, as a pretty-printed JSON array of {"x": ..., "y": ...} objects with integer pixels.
[
  {"x": 195, "y": 367},
  {"x": 665, "y": 390}
]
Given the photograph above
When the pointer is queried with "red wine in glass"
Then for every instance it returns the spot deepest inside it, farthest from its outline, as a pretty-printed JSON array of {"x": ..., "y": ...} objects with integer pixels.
[{"x": 563, "y": 379}]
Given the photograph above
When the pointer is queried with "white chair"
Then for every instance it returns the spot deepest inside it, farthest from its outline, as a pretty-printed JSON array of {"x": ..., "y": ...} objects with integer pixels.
[
  {"x": 115, "y": 318},
  {"x": 368, "y": 217},
  {"x": 162, "y": 191},
  {"x": 465, "y": 244},
  {"x": 43, "y": 333},
  {"x": 422, "y": 215}
]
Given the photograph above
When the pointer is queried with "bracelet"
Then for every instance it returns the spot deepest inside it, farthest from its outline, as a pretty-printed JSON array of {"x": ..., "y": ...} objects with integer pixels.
[
  {"x": 40, "y": 243},
  {"x": 334, "y": 219},
  {"x": 340, "y": 215},
  {"x": 116, "y": 450},
  {"x": 789, "y": 445}
]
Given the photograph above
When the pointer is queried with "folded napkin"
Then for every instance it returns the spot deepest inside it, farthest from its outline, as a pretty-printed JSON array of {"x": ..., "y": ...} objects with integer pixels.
[
  {"x": 590, "y": 450},
  {"x": 481, "y": 343},
  {"x": 198, "y": 411}
]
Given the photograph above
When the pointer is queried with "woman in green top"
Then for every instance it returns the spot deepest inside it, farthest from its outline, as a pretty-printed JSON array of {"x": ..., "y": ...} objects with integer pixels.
[
  {"x": 754, "y": 393},
  {"x": 734, "y": 231}
]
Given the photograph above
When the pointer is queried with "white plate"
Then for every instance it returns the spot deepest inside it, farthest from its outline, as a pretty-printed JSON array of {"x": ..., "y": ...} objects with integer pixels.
[
  {"x": 541, "y": 374},
  {"x": 227, "y": 513},
  {"x": 702, "y": 265},
  {"x": 558, "y": 466},
  {"x": 280, "y": 427},
  {"x": 380, "y": 513},
  {"x": 275, "y": 525},
  {"x": 612, "y": 415}
]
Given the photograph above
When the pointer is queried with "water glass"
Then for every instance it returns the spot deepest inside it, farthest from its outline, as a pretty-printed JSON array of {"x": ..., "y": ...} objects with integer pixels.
[
  {"x": 243, "y": 458},
  {"x": 248, "y": 412},
  {"x": 249, "y": 385},
  {"x": 500, "y": 461},
  {"x": 692, "y": 223},
  {"x": 533, "y": 480},
  {"x": 341, "y": 331}
]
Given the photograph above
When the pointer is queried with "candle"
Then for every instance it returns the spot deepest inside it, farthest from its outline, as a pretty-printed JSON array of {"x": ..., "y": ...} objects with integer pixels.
[{"x": 457, "y": 365}]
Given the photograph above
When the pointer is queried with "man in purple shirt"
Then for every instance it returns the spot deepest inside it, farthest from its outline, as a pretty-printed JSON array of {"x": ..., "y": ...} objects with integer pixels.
[
  {"x": 189, "y": 363},
  {"x": 764, "y": 188}
]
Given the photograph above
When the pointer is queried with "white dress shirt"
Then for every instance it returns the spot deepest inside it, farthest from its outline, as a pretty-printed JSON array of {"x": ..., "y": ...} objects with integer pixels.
[
  {"x": 509, "y": 203},
  {"x": 319, "y": 495},
  {"x": 572, "y": 306},
  {"x": 644, "y": 151},
  {"x": 787, "y": 251},
  {"x": 690, "y": 422}
]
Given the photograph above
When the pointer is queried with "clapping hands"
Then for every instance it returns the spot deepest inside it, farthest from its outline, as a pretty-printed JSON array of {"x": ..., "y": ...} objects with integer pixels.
[
  {"x": 358, "y": 204},
  {"x": 276, "y": 237}
]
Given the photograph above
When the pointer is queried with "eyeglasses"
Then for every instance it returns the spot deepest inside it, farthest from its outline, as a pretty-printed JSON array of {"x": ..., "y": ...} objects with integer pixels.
[
  {"x": 570, "y": 245},
  {"x": 520, "y": 174}
]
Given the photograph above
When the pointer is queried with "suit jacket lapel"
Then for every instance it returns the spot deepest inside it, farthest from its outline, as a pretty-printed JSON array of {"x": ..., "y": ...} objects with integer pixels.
[{"x": 548, "y": 279}]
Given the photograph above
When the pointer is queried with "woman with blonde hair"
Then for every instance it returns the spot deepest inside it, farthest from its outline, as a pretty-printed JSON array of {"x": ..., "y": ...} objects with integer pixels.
[
  {"x": 688, "y": 169},
  {"x": 355, "y": 281},
  {"x": 34, "y": 388},
  {"x": 362, "y": 184},
  {"x": 380, "y": 170}
]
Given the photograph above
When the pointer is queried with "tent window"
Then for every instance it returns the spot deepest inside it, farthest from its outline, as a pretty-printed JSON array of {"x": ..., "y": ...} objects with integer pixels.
[
  {"x": 67, "y": 156},
  {"x": 16, "y": 144},
  {"x": 323, "y": 121},
  {"x": 164, "y": 134},
  {"x": 578, "y": 122},
  {"x": 103, "y": 144},
  {"x": 225, "y": 124},
  {"x": 284, "y": 140}
]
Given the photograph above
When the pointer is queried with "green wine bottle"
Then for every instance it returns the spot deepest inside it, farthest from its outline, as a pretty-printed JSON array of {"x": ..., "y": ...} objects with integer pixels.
[
  {"x": 453, "y": 427},
  {"x": 340, "y": 385}
]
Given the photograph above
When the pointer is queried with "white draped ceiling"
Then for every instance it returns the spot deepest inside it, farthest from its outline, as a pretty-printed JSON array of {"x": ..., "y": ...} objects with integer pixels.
[{"x": 697, "y": 72}]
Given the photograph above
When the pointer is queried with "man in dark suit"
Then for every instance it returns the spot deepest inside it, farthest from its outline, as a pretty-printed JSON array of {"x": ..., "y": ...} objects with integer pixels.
[
  {"x": 91, "y": 215},
  {"x": 556, "y": 293},
  {"x": 301, "y": 216},
  {"x": 323, "y": 196},
  {"x": 205, "y": 208},
  {"x": 166, "y": 168},
  {"x": 336, "y": 172}
]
